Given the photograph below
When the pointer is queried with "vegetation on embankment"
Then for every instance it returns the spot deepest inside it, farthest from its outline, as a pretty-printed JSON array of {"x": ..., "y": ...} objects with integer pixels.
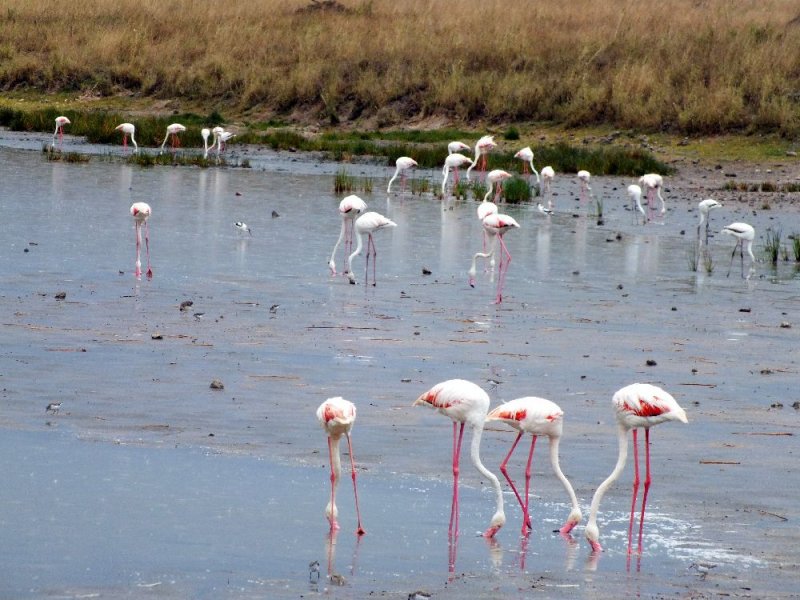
[{"x": 683, "y": 66}]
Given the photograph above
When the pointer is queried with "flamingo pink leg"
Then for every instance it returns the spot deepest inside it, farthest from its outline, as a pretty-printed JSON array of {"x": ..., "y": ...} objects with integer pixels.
[
  {"x": 635, "y": 485},
  {"x": 646, "y": 484},
  {"x": 502, "y": 269},
  {"x": 371, "y": 250},
  {"x": 456, "y": 460},
  {"x": 332, "y": 517},
  {"x": 359, "y": 528},
  {"x": 138, "y": 272},
  {"x": 527, "y": 520},
  {"x": 147, "y": 249},
  {"x": 504, "y": 469}
]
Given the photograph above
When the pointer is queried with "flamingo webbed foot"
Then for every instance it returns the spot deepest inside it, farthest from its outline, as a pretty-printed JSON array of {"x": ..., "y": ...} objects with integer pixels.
[
  {"x": 360, "y": 531},
  {"x": 149, "y": 273}
]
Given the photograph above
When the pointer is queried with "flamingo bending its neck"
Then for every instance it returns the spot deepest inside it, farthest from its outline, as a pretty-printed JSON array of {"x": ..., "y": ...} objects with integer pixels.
[
  {"x": 128, "y": 130},
  {"x": 172, "y": 131},
  {"x": 495, "y": 225},
  {"x": 536, "y": 416},
  {"x": 744, "y": 234},
  {"x": 140, "y": 211},
  {"x": 336, "y": 416},
  {"x": 526, "y": 156},
  {"x": 402, "y": 164},
  {"x": 482, "y": 148},
  {"x": 639, "y": 405},
  {"x": 368, "y": 223},
  {"x": 349, "y": 209},
  {"x": 452, "y": 163},
  {"x": 465, "y": 403},
  {"x": 60, "y": 122}
]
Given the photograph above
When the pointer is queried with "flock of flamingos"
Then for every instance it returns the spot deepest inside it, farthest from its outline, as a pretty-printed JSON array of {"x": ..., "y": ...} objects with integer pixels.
[{"x": 636, "y": 406}]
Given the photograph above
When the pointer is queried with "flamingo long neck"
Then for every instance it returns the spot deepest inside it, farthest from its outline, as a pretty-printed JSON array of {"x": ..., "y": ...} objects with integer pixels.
[
  {"x": 475, "y": 455},
  {"x": 535, "y": 172},
  {"x": 356, "y": 252},
  {"x": 391, "y": 181},
  {"x": 342, "y": 231},
  {"x": 166, "y": 137},
  {"x": 750, "y": 250},
  {"x": 554, "y": 442},
  {"x": 622, "y": 434}
]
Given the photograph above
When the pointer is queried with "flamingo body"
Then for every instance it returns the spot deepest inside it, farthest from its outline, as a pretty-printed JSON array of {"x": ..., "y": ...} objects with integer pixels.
[
  {"x": 368, "y": 223},
  {"x": 548, "y": 174},
  {"x": 526, "y": 156},
  {"x": 639, "y": 405},
  {"x": 495, "y": 226},
  {"x": 454, "y": 147},
  {"x": 585, "y": 189},
  {"x": 536, "y": 416},
  {"x": 635, "y": 194},
  {"x": 465, "y": 403},
  {"x": 60, "y": 122},
  {"x": 744, "y": 234},
  {"x": 337, "y": 416},
  {"x": 482, "y": 148},
  {"x": 651, "y": 184},
  {"x": 495, "y": 178},
  {"x": 205, "y": 132},
  {"x": 452, "y": 163},
  {"x": 172, "y": 131}
]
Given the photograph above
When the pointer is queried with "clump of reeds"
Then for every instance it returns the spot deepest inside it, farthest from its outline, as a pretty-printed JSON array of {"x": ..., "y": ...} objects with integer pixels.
[
  {"x": 516, "y": 190},
  {"x": 795, "y": 237},
  {"x": 343, "y": 182},
  {"x": 772, "y": 245}
]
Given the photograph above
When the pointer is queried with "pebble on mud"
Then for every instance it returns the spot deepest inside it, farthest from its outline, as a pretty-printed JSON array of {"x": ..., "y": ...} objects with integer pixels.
[
  {"x": 156, "y": 336},
  {"x": 786, "y": 325},
  {"x": 186, "y": 304},
  {"x": 61, "y": 295},
  {"x": 426, "y": 271},
  {"x": 651, "y": 363},
  {"x": 217, "y": 384}
]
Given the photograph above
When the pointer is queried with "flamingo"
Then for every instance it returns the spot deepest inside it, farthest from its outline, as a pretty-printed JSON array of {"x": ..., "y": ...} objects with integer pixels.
[
  {"x": 548, "y": 174},
  {"x": 639, "y": 405},
  {"x": 635, "y": 194},
  {"x": 495, "y": 225},
  {"x": 465, "y": 403},
  {"x": 60, "y": 122},
  {"x": 455, "y": 147},
  {"x": 526, "y": 156},
  {"x": 140, "y": 211},
  {"x": 744, "y": 234},
  {"x": 482, "y": 148},
  {"x": 220, "y": 137},
  {"x": 205, "y": 132},
  {"x": 336, "y": 416},
  {"x": 495, "y": 178},
  {"x": 705, "y": 207},
  {"x": 653, "y": 182},
  {"x": 173, "y": 130},
  {"x": 368, "y": 223},
  {"x": 585, "y": 190},
  {"x": 402, "y": 164},
  {"x": 452, "y": 163},
  {"x": 349, "y": 208},
  {"x": 536, "y": 416},
  {"x": 127, "y": 129}
]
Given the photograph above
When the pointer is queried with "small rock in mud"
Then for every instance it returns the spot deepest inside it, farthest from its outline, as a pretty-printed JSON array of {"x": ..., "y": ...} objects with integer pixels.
[
  {"x": 651, "y": 363},
  {"x": 766, "y": 371},
  {"x": 776, "y": 405},
  {"x": 786, "y": 325},
  {"x": 426, "y": 271},
  {"x": 744, "y": 310},
  {"x": 61, "y": 295},
  {"x": 186, "y": 304},
  {"x": 217, "y": 384},
  {"x": 796, "y": 405},
  {"x": 275, "y": 214},
  {"x": 156, "y": 336}
]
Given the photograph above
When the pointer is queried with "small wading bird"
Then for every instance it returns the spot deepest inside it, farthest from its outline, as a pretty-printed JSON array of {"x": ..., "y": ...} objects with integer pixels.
[
  {"x": 402, "y": 164},
  {"x": 349, "y": 209},
  {"x": 495, "y": 225},
  {"x": 585, "y": 189},
  {"x": 536, "y": 416},
  {"x": 548, "y": 174},
  {"x": 128, "y": 130},
  {"x": 172, "y": 131},
  {"x": 368, "y": 223},
  {"x": 60, "y": 122},
  {"x": 652, "y": 184},
  {"x": 243, "y": 227},
  {"x": 639, "y": 405},
  {"x": 140, "y": 211},
  {"x": 452, "y": 163},
  {"x": 482, "y": 148},
  {"x": 526, "y": 156},
  {"x": 466, "y": 404},
  {"x": 635, "y": 194},
  {"x": 336, "y": 416},
  {"x": 744, "y": 234}
]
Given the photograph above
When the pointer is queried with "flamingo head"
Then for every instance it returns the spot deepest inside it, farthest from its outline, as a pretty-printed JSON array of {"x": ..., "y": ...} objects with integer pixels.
[
  {"x": 593, "y": 537},
  {"x": 498, "y": 520},
  {"x": 572, "y": 520}
]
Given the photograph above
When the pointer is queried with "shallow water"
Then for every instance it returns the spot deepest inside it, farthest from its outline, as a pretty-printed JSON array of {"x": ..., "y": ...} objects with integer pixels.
[{"x": 199, "y": 476}]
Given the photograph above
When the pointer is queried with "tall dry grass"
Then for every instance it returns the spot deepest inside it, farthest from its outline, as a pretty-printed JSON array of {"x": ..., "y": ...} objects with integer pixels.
[{"x": 695, "y": 66}]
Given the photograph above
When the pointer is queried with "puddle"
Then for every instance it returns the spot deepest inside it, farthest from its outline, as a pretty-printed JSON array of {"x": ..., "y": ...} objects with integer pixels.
[{"x": 183, "y": 488}]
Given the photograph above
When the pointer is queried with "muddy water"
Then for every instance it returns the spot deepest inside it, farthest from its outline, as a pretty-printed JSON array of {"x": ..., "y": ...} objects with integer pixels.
[{"x": 150, "y": 483}]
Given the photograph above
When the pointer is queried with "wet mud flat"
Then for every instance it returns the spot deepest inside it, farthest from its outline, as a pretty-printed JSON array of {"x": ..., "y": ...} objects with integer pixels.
[{"x": 199, "y": 492}]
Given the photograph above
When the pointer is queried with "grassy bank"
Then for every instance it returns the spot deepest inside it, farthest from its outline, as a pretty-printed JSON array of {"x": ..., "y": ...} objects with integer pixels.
[{"x": 679, "y": 65}]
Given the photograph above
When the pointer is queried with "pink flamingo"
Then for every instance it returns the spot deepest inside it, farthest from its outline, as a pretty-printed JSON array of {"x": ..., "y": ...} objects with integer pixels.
[
  {"x": 128, "y": 130},
  {"x": 548, "y": 174},
  {"x": 60, "y": 122},
  {"x": 337, "y": 415},
  {"x": 585, "y": 189},
  {"x": 349, "y": 208},
  {"x": 205, "y": 132},
  {"x": 526, "y": 156},
  {"x": 635, "y": 194},
  {"x": 173, "y": 130},
  {"x": 536, "y": 416},
  {"x": 495, "y": 178},
  {"x": 368, "y": 223},
  {"x": 636, "y": 405},
  {"x": 652, "y": 184},
  {"x": 744, "y": 234},
  {"x": 452, "y": 163},
  {"x": 402, "y": 164},
  {"x": 465, "y": 403},
  {"x": 482, "y": 148},
  {"x": 495, "y": 225},
  {"x": 454, "y": 147},
  {"x": 140, "y": 211}
]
